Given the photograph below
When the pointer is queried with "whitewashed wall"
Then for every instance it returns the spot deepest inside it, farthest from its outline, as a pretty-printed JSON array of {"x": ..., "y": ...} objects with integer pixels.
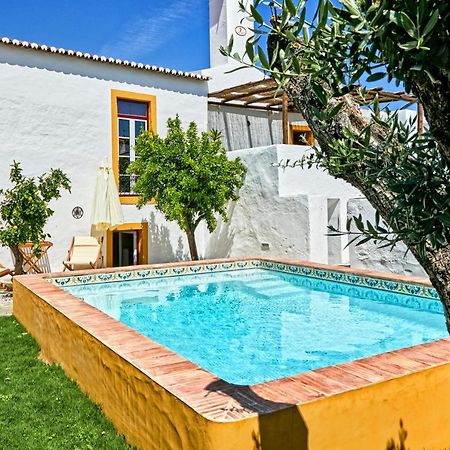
[
  {"x": 261, "y": 216},
  {"x": 281, "y": 212},
  {"x": 224, "y": 17},
  {"x": 368, "y": 256},
  {"x": 55, "y": 111},
  {"x": 286, "y": 212}
]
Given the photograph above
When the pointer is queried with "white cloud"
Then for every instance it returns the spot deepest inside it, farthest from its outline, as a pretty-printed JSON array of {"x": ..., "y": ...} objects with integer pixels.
[{"x": 147, "y": 32}]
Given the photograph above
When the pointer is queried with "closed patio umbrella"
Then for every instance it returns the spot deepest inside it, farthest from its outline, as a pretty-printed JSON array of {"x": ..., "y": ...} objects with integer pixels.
[{"x": 107, "y": 210}]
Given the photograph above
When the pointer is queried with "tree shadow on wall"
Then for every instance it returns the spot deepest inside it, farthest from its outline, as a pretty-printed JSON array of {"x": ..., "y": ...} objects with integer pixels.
[
  {"x": 284, "y": 430},
  {"x": 402, "y": 435},
  {"x": 160, "y": 246},
  {"x": 221, "y": 240}
]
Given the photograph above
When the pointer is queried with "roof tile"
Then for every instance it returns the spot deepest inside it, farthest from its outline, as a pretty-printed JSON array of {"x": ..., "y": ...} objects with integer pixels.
[{"x": 178, "y": 73}]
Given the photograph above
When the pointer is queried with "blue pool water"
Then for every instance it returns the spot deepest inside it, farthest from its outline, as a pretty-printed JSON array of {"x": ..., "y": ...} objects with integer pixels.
[{"x": 256, "y": 325}]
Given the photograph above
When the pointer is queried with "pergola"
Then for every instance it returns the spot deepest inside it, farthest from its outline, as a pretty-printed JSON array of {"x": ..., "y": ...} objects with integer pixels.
[{"x": 265, "y": 95}]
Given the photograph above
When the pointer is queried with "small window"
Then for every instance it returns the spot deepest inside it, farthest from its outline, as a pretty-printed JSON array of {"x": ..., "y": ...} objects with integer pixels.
[
  {"x": 301, "y": 135},
  {"x": 133, "y": 119},
  {"x": 129, "y": 108}
]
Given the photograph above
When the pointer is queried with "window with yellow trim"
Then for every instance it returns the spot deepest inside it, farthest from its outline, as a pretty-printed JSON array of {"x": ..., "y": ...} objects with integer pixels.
[
  {"x": 301, "y": 135},
  {"x": 133, "y": 119},
  {"x": 131, "y": 114}
]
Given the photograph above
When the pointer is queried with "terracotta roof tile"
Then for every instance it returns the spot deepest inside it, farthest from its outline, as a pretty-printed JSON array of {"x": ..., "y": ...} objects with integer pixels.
[{"x": 103, "y": 59}]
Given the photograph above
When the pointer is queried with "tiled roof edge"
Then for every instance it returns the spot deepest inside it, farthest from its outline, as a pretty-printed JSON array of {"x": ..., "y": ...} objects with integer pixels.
[{"x": 102, "y": 59}]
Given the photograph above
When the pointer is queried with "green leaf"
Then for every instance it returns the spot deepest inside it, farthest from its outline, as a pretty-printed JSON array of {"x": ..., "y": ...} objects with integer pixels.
[
  {"x": 444, "y": 219},
  {"x": 296, "y": 65},
  {"x": 320, "y": 92},
  {"x": 256, "y": 15},
  {"x": 335, "y": 110},
  {"x": 352, "y": 7},
  {"x": 301, "y": 19},
  {"x": 250, "y": 50},
  {"x": 290, "y": 7},
  {"x": 409, "y": 45},
  {"x": 263, "y": 58},
  {"x": 306, "y": 34},
  {"x": 408, "y": 24},
  {"x": 376, "y": 76},
  {"x": 431, "y": 23}
]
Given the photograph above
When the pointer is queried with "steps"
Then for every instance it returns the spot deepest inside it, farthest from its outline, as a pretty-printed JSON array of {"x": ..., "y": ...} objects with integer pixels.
[{"x": 272, "y": 287}]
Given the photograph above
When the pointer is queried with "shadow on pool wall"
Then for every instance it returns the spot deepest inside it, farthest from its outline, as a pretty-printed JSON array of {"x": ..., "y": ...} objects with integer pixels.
[
  {"x": 402, "y": 435},
  {"x": 268, "y": 437}
]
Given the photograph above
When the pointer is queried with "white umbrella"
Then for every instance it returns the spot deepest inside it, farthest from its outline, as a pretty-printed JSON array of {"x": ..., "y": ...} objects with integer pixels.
[{"x": 107, "y": 210}]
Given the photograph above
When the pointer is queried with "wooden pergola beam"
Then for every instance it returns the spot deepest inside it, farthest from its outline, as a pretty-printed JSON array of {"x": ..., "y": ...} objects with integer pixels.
[
  {"x": 274, "y": 108},
  {"x": 419, "y": 117},
  {"x": 270, "y": 96},
  {"x": 262, "y": 84},
  {"x": 242, "y": 95}
]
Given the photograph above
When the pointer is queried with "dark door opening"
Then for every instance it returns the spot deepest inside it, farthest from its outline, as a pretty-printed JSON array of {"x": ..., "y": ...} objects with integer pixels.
[{"x": 125, "y": 248}]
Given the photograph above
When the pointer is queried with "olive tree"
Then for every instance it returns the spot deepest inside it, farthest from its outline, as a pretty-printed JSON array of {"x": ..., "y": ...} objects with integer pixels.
[
  {"x": 188, "y": 175},
  {"x": 24, "y": 209},
  {"x": 319, "y": 56}
]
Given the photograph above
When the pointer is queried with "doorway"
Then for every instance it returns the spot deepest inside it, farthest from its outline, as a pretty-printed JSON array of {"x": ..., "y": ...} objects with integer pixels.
[
  {"x": 125, "y": 248},
  {"x": 128, "y": 245}
]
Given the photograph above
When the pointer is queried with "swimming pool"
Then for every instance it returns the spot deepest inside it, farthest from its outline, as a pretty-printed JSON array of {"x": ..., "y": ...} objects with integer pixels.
[
  {"x": 255, "y": 325},
  {"x": 159, "y": 398}
]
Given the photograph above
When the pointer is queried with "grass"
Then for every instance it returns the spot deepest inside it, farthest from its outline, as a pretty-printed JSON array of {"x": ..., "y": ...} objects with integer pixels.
[{"x": 40, "y": 408}]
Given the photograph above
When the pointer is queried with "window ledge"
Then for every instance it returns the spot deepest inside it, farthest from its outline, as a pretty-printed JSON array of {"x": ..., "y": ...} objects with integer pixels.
[{"x": 132, "y": 200}]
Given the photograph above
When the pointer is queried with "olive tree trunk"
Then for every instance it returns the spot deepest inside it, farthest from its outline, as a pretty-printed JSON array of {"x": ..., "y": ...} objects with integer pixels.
[{"x": 436, "y": 262}]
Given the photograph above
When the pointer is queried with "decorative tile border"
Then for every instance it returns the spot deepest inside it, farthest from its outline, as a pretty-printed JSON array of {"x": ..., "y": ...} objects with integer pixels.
[
  {"x": 399, "y": 287},
  {"x": 371, "y": 282}
]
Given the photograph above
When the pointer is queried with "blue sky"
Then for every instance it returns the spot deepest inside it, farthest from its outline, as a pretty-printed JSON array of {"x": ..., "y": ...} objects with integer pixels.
[{"x": 170, "y": 33}]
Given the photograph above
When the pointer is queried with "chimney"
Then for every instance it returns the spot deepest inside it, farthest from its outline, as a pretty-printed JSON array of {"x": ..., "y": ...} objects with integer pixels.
[{"x": 225, "y": 20}]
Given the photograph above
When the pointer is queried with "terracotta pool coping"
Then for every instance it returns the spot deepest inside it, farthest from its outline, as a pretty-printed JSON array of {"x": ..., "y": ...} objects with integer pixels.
[{"x": 214, "y": 398}]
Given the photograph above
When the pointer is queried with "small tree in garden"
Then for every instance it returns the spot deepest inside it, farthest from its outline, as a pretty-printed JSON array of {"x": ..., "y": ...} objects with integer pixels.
[
  {"x": 24, "y": 209},
  {"x": 188, "y": 175}
]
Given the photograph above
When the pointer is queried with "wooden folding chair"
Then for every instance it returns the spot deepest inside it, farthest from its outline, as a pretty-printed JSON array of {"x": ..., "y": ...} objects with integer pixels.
[
  {"x": 5, "y": 271},
  {"x": 85, "y": 252},
  {"x": 35, "y": 262}
]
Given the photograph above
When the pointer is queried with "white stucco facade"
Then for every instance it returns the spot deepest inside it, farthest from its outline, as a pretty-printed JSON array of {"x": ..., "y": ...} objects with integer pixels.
[
  {"x": 225, "y": 20},
  {"x": 55, "y": 111},
  {"x": 285, "y": 212}
]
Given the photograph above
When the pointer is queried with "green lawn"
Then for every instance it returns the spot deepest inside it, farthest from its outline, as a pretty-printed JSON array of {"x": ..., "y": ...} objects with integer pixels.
[{"x": 40, "y": 408}]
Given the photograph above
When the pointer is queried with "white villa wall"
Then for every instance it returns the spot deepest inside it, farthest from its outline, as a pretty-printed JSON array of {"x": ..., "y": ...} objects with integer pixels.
[
  {"x": 297, "y": 181},
  {"x": 55, "y": 111},
  {"x": 368, "y": 256},
  {"x": 290, "y": 210},
  {"x": 261, "y": 216},
  {"x": 280, "y": 212},
  {"x": 224, "y": 17}
]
